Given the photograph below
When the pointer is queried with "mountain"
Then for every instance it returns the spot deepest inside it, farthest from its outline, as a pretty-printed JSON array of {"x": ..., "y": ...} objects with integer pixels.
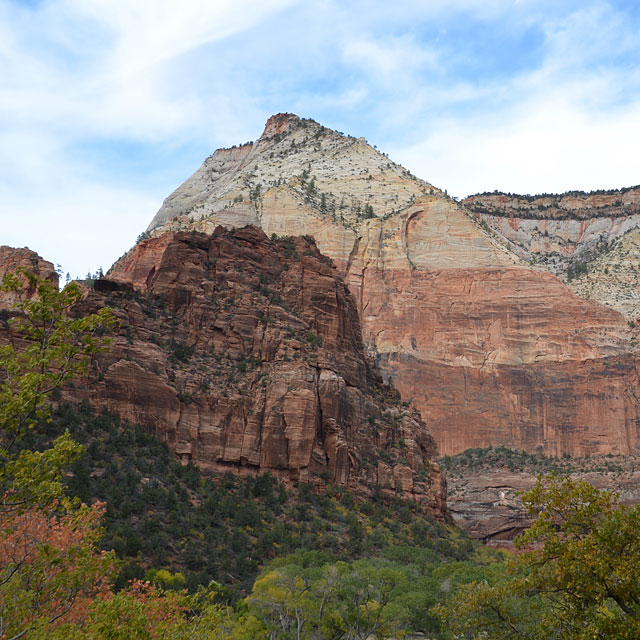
[
  {"x": 245, "y": 354},
  {"x": 490, "y": 349},
  {"x": 588, "y": 239}
]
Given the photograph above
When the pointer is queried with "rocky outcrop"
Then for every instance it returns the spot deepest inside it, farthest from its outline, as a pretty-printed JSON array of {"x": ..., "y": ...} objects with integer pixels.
[
  {"x": 484, "y": 499},
  {"x": 573, "y": 235},
  {"x": 13, "y": 259},
  {"x": 574, "y": 205},
  {"x": 489, "y": 349},
  {"x": 246, "y": 354},
  {"x": 297, "y": 178}
]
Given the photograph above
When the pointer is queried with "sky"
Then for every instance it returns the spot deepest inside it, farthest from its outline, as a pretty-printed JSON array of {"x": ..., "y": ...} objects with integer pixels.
[{"x": 106, "y": 106}]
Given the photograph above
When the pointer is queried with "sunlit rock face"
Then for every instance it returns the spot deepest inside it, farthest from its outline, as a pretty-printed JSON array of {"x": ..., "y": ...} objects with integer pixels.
[
  {"x": 490, "y": 349},
  {"x": 487, "y": 349}
]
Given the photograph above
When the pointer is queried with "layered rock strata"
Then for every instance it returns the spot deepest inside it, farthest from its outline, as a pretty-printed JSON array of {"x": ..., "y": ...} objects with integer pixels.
[
  {"x": 558, "y": 230},
  {"x": 489, "y": 349},
  {"x": 587, "y": 239},
  {"x": 246, "y": 354}
]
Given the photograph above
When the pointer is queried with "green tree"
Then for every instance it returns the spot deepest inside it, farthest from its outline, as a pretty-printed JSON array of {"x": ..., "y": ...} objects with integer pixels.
[
  {"x": 579, "y": 577},
  {"x": 54, "y": 583},
  {"x": 282, "y": 600},
  {"x": 48, "y": 564},
  {"x": 47, "y": 346},
  {"x": 336, "y": 601}
]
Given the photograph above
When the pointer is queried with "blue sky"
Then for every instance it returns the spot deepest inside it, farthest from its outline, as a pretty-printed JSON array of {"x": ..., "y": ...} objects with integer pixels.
[{"x": 106, "y": 106}]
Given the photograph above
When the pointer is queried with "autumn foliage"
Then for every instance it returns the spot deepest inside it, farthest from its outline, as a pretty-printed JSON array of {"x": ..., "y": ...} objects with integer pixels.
[{"x": 50, "y": 571}]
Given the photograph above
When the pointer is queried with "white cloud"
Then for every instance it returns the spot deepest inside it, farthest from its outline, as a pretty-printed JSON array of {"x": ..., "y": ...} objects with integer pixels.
[
  {"x": 122, "y": 85},
  {"x": 390, "y": 59},
  {"x": 571, "y": 123},
  {"x": 549, "y": 147},
  {"x": 81, "y": 225},
  {"x": 147, "y": 32},
  {"x": 80, "y": 71},
  {"x": 157, "y": 74}
]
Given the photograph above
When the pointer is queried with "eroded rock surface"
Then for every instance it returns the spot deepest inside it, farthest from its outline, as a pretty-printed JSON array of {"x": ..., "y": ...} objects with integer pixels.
[
  {"x": 484, "y": 499},
  {"x": 488, "y": 348},
  {"x": 246, "y": 354}
]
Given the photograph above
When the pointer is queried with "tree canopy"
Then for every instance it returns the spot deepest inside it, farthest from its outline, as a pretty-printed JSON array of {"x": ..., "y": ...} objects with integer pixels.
[{"x": 577, "y": 578}]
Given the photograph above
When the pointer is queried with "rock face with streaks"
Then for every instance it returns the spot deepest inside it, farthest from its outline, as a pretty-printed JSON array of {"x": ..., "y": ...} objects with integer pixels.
[
  {"x": 489, "y": 349},
  {"x": 245, "y": 354},
  {"x": 590, "y": 240}
]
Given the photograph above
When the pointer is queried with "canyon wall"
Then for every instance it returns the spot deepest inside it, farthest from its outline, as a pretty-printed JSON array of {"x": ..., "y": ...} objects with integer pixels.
[
  {"x": 246, "y": 354},
  {"x": 490, "y": 349}
]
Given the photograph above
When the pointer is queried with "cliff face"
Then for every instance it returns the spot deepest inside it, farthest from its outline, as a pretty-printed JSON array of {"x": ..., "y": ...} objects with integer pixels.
[
  {"x": 246, "y": 354},
  {"x": 12, "y": 259},
  {"x": 490, "y": 350},
  {"x": 588, "y": 239}
]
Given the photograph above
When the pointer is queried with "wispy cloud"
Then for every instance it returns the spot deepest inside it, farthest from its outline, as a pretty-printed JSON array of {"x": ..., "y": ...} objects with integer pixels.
[{"x": 107, "y": 105}]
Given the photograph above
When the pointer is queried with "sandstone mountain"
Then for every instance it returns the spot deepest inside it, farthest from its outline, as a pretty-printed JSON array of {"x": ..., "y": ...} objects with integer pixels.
[
  {"x": 246, "y": 355},
  {"x": 588, "y": 239},
  {"x": 489, "y": 349}
]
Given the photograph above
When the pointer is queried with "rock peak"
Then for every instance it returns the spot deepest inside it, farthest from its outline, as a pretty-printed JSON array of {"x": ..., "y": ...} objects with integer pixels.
[
  {"x": 312, "y": 171},
  {"x": 279, "y": 123}
]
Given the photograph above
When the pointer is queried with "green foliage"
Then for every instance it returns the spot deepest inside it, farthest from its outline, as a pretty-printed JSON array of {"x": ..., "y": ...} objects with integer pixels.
[
  {"x": 53, "y": 579},
  {"x": 309, "y": 596},
  {"x": 144, "y": 612},
  {"x": 53, "y": 347},
  {"x": 181, "y": 351},
  {"x": 163, "y": 515},
  {"x": 577, "y": 269},
  {"x": 314, "y": 340},
  {"x": 581, "y": 578},
  {"x": 535, "y": 463}
]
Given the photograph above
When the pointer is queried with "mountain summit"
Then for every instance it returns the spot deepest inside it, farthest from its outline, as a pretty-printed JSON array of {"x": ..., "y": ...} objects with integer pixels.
[
  {"x": 302, "y": 165},
  {"x": 490, "y": 349}
]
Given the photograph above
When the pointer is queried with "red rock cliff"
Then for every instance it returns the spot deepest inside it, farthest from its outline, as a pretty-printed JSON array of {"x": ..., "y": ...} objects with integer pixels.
[{"x": 246, "y": 355}]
